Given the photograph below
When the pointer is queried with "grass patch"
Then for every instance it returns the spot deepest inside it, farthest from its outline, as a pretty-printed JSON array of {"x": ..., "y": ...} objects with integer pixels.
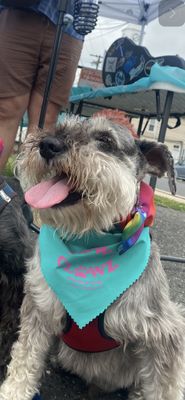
[
  {"x": 8, "y": 170},
  {"x": 165, "y": 202}
]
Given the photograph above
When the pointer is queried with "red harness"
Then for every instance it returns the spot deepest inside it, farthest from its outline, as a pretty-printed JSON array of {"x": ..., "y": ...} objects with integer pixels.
[{"x": 92, "y": 338}]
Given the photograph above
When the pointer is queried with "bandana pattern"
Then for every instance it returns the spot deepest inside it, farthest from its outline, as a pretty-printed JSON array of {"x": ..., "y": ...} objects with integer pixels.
[{"x": 88, "y": 281}]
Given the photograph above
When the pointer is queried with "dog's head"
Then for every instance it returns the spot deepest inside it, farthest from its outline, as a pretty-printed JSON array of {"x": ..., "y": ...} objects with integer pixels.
[{"x": 90, "y": 173}]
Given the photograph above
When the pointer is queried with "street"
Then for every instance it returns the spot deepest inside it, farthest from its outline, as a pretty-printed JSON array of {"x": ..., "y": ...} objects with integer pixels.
[{"x": 162, "y": 184}]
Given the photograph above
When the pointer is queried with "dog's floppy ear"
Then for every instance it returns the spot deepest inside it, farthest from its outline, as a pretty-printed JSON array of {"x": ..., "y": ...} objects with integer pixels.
[{"x": 159, "y": 160}]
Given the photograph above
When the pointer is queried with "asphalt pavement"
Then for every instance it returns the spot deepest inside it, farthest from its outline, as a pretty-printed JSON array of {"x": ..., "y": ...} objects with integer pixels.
[{"x": 162, "y": 184}]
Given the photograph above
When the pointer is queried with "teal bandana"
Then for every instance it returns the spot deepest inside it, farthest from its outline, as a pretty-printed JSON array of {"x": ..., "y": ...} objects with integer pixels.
[{"x": 87, "y": 274}]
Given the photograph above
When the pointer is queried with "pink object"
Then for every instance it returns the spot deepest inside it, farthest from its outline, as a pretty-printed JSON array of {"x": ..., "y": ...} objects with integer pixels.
[{"x": 1, "y": 145}]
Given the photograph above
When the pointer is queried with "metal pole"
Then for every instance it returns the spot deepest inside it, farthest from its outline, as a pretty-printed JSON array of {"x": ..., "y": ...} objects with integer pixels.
[
  {"x": 142, "y": 33},
  {"x": 167, "y": 109},
  {"x": 139, "y": 129},
  {"x": 173, "y": 259},
  {"x": 62, "y": 8},
  {"x": 164, "y": 123}
]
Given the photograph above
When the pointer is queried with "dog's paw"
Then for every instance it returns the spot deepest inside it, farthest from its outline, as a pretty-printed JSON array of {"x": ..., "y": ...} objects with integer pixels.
[
  {"x": 6, "y": 394},
  {"x": 93, "y": 392}
]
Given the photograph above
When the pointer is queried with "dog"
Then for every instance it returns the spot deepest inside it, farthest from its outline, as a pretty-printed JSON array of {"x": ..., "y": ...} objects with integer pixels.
[
  {"x": 15, "y": 247},
  {"x": 85, "y": 178}
]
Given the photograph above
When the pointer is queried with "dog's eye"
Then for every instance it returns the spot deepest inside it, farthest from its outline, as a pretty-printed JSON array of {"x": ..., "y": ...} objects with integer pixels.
[
  {"x": 104, "y": 137},
  {"x": 105, "y": 142}
]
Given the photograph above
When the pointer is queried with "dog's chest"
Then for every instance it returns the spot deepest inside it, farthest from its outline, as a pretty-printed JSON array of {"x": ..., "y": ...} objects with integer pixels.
[{"x": 91, "y": 339}]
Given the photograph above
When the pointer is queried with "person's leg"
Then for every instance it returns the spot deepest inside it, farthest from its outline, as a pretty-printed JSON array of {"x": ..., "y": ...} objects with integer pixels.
[
  {"x": 67, "y": 65},
  {"x": 11, "y": 112},
  {"x": 34, "y": 108},
  {"x": 62, "y": 80},
  {"x": 20, "y": 41}
]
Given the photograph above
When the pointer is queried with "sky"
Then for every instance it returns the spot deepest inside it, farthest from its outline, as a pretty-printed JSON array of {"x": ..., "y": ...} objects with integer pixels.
[{"x": 158, "y": 40}]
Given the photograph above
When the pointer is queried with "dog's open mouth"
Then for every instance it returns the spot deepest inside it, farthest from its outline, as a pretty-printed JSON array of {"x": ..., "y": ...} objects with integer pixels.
[{"x": 54, "y": 192}]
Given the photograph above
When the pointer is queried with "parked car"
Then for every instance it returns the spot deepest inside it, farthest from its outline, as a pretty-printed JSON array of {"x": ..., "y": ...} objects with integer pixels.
[{"x": 180, "y": 171}]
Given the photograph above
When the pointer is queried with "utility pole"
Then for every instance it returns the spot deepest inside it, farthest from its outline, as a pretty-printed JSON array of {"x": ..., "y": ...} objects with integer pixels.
[{"x": 98, "y": 61}]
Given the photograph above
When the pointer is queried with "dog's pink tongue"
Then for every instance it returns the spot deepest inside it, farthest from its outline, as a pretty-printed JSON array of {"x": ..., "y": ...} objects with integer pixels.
[{"x": 47, "y": 193}]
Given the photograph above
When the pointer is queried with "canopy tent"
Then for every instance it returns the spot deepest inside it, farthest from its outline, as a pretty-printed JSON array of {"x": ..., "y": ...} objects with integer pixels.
[
  {"x": 137, "y": 11},
  {"x": 140, "y": 12}
]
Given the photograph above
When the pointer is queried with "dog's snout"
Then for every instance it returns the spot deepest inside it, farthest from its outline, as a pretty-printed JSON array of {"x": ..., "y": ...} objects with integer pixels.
[{"x": 50, "y": 147}]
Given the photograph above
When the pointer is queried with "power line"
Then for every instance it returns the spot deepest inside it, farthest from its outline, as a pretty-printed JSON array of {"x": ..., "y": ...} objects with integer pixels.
[{"x": 98, "y": 60}]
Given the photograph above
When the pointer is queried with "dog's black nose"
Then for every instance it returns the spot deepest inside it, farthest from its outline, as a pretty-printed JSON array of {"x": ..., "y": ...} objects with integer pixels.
[{"x": 50, "y": 147}]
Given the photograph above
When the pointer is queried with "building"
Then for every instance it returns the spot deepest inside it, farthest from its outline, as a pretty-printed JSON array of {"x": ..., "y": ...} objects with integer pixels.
[{"x": 174, "y": 139}]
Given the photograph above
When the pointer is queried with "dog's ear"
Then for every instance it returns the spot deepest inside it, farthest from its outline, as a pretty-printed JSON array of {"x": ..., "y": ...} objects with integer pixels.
[{"x": 159, "y": 160}]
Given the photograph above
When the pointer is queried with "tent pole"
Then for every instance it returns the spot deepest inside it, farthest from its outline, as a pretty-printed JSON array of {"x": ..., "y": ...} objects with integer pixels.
[
  {"x": 61, "y": 23},
  {"x": 142, "y": 33},
  {"x": 139, "y": 129}
]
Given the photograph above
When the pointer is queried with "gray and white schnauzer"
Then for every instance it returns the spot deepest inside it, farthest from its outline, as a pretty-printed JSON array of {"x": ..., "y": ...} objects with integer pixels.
[
  {"x": 85, "y": 179},
  {"x": 15, "y": 248}
]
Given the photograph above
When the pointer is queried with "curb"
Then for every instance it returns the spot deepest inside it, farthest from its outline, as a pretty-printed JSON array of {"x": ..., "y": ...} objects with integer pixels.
[{"x": 169, "y": 196}]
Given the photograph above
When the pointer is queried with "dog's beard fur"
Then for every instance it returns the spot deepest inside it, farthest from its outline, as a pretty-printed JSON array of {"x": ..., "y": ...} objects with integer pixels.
[{"x": 103, "y": 162}]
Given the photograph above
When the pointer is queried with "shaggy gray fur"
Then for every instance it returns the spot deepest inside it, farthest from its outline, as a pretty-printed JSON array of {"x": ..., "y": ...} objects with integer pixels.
[{"x": 15, "y": 247}]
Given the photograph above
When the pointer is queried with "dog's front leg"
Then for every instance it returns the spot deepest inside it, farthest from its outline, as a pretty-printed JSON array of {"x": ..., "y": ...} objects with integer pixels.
[
  {"x": 28, "y": 354},
  {"x": 161, "y": 375}
]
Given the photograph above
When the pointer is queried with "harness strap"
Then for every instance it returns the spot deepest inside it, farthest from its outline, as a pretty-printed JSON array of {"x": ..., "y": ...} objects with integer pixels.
[
  {"x": 6, "y": 194},
  {"x": 91, "y": 339}
]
